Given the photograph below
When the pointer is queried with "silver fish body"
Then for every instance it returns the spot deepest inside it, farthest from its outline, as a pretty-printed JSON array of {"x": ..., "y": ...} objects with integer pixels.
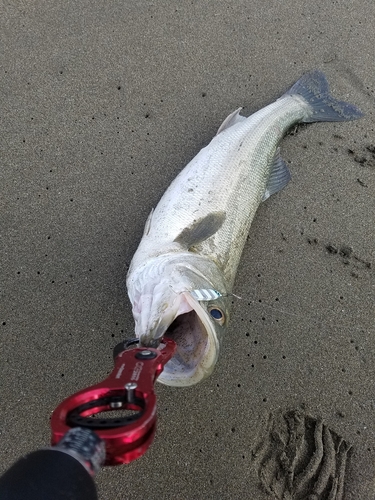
[{"x": 182, "y": 274}]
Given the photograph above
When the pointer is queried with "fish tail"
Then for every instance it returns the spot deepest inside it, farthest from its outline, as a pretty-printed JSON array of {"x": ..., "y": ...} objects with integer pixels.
[{"x": 314, "y": 89}]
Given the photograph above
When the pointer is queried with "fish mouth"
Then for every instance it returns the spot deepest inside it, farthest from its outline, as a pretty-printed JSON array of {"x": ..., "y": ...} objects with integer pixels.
[{"x": 197, "y": 347}]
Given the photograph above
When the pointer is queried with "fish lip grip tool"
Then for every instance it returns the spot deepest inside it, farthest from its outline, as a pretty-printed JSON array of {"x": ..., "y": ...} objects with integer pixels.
[{"x": 130, "y": 386}]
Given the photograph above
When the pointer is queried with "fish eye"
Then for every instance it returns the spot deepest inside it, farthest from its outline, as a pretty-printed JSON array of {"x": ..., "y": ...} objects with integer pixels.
[{"x": 217, "y": 315}]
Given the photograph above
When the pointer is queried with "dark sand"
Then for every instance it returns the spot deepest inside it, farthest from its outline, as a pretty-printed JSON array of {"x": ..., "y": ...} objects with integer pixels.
[{"x": 102, "y": 104}]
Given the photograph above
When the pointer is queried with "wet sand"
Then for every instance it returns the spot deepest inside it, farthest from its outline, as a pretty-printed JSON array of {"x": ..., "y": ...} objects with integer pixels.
[{"x": 101, "y": 105}]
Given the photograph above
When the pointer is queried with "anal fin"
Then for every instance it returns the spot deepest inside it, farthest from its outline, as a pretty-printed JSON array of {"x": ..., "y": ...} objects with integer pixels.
[{"x": 279, "y": 176}]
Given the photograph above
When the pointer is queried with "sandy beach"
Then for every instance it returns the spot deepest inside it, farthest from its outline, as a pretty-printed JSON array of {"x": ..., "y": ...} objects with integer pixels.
[{"x": 101, "y": 105}]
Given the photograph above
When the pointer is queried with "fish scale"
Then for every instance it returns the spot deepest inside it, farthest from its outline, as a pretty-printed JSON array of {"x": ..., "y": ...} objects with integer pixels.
[
  {"x": 194, "y": 238},
  {"x": 235, "y": 169}
]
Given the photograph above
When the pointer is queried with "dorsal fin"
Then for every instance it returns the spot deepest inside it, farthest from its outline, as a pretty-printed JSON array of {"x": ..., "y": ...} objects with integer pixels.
[
  {"x": 201, "y": 229},
  {"x": 148, "y": 223},
  {"x": 230, "y": 120}
]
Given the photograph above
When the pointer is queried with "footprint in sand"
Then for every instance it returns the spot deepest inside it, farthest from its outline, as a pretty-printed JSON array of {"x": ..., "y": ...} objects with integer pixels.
[{"x": 297, "y": 457}]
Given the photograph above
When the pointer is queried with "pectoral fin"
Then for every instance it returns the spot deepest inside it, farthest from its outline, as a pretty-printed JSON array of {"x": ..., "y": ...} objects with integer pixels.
[
  {"x": 279, "y": 177},
  {"x": 201, "y": 229}
]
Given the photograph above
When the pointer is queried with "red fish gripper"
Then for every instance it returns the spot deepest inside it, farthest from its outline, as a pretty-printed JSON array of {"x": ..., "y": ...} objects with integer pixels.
[{"x": 130, "y": 386}]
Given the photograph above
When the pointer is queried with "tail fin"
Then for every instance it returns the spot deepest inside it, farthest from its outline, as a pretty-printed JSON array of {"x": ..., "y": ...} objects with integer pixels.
[{"x": 313, "y": 87}]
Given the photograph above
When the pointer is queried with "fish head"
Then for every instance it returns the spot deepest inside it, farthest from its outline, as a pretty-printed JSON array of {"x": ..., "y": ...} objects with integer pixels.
[
  {"x": 183, "y": 305},
  {"x": 197, "y": 333}
]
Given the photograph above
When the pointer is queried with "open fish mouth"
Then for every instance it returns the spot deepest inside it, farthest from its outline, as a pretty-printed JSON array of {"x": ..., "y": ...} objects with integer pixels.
[{"x": 197, "y": 347}]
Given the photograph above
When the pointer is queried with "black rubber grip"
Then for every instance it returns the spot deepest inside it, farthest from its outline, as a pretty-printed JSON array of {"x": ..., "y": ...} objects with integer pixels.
[{"x": 47, "y": 475}]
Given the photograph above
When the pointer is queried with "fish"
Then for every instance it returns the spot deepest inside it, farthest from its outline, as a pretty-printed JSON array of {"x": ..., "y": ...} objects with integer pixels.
[{"x": 180, "y": 279}]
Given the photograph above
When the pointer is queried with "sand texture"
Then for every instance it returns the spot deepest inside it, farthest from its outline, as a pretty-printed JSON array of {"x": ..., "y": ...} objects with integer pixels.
[{"x": 101, "y": 105}]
